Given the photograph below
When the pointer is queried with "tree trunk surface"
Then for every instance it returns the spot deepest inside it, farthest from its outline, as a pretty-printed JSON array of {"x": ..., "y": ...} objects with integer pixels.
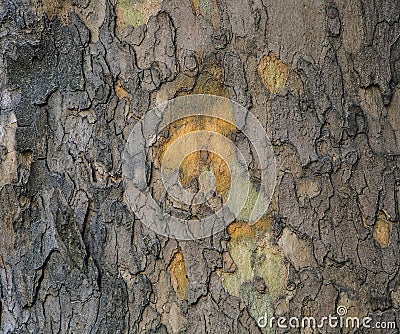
[{"x": 323, "y": 79}]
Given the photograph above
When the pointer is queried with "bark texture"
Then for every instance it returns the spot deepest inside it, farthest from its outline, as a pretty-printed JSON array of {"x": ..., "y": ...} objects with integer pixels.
[{"x": 76, "y": 75}]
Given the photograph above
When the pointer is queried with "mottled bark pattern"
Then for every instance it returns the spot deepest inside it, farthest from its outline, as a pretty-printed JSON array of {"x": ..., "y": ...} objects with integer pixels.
[{"x": 76, "y": 75}]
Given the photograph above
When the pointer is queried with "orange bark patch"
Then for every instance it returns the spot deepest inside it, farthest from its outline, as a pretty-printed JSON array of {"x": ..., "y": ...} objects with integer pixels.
[
  {"x": 193, "y": 165},
  {"x": 240, "y": 229},
  {"x": 243, "y": 229},
  {"x": 177, "y": 270},
  {"x": 120, "y": 91}
]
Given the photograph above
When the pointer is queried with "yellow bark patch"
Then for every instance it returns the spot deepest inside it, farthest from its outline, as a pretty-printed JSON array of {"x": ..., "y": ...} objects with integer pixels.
[
  {"x": 382, "y": 229},
  {"x": 273, "y": 72},
  {"x": 177, "y": 270},
  {"x": 195, "y": 6},
  {"x": 216, "y": 72},
  {"x": 207, "y": 84}
]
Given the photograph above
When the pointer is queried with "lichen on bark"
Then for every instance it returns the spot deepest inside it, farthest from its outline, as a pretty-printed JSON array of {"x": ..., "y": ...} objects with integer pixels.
[{"x": 76, "y": 76}]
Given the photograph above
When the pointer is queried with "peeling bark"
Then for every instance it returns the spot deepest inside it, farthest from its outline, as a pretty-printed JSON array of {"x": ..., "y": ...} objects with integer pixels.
[{"x": 323, "y": 77}]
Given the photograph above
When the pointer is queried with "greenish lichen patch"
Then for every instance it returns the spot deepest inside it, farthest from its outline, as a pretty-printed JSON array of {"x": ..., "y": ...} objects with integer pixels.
[
  {"x": 260, "y": 272},
  {"x": 135, "y": 12}
]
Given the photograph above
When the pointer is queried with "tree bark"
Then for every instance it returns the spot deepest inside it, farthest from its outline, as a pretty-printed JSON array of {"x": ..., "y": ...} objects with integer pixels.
[{"x": 323, "y": 78}]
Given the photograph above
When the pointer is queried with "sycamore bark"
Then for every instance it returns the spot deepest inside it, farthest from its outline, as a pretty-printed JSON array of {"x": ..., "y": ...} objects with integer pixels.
[{"x": 323, "y": 77}]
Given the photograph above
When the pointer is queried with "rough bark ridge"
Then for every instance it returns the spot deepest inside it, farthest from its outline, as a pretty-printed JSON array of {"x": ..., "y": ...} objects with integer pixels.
[{"x": 76, "y": 75}]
